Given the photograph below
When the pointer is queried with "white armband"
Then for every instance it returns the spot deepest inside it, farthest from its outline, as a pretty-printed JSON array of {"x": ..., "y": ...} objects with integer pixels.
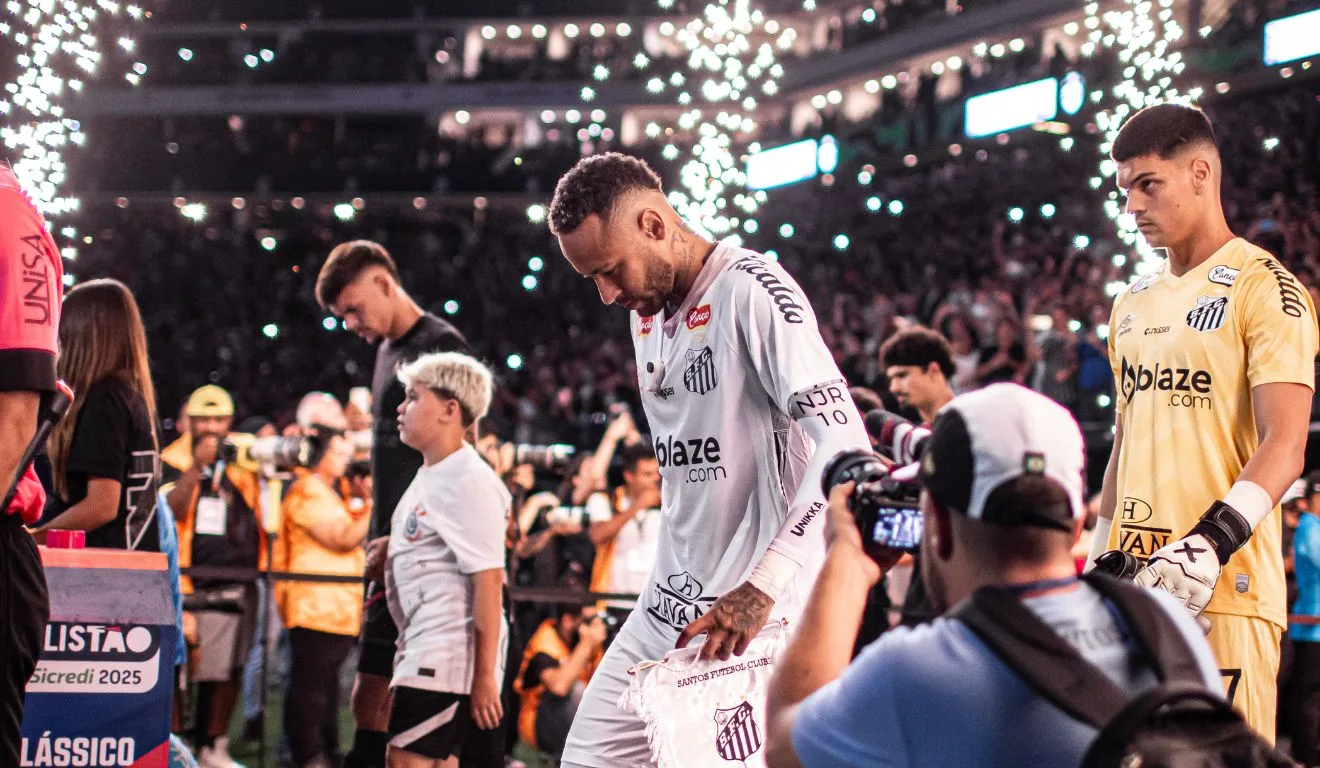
[
  {"x": 1250, "y": 500},
  {"x": 773, "y": 573},
  {"x": 1099, "y": 541}
]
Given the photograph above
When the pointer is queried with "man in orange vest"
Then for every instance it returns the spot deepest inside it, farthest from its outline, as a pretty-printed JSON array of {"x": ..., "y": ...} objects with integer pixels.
[{"x": 218, "y": 511}]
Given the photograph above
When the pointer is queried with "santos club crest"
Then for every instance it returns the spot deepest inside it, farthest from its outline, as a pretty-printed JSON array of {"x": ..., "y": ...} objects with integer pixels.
[
  {"x": 1209, "y": 313},
  {"x": 699, "y": 377},
  {"x": 738, "y": 736}
]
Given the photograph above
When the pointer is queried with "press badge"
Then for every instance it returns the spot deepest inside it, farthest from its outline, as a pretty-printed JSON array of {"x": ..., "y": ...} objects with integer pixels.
[{"x": 211, "y": 516}]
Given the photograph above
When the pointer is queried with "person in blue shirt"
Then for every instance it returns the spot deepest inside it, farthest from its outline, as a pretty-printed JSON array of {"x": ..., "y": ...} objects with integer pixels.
[
  {"x": 1304, "y": 629},
  {"x": 1002, "y": 500}
]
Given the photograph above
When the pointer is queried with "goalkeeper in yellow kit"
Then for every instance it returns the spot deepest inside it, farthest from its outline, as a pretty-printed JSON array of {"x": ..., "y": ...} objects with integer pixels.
[{"x": 1213, "y": 356}]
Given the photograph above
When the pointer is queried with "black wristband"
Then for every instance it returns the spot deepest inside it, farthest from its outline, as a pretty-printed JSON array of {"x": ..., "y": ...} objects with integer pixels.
[{"x": 1225, "y": 528}]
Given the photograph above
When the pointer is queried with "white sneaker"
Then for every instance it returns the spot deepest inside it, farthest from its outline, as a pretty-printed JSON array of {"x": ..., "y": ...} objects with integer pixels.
[{"x": 217, "y": 755}]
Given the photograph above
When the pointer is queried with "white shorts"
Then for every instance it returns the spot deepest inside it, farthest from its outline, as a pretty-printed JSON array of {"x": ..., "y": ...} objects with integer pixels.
[{"x": 604, "y": 735}]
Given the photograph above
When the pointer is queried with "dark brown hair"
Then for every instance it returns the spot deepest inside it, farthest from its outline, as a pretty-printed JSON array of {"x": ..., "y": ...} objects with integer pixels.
[
  {"x": 919, "y": 346},
  {"x": 1162, "y": 130},
  {"x": 345, "y": 263}
]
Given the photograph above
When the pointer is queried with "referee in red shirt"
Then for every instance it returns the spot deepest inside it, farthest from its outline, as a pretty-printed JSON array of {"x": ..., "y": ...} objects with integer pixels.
[{"x": 31, "y": 281}]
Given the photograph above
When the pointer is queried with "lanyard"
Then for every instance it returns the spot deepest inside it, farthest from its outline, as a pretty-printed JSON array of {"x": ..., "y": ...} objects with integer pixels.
[{"x": 1045, "y": 585}]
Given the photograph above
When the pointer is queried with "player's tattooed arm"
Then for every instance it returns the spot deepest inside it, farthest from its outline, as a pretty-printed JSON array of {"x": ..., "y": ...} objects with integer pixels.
[{"x": 731, "y": 623}]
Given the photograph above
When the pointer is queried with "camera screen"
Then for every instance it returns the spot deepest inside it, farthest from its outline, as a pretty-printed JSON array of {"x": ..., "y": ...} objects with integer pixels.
[{"x": 897, "y": 527}]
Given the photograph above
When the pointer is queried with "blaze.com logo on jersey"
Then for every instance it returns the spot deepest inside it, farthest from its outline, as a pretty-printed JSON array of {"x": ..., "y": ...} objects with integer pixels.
[{"x": 1187, "y": 387}]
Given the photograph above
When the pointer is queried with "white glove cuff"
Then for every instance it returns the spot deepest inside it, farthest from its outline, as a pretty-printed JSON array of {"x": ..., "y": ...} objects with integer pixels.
[
  {"x": 773, "y": 573},
  {"x": 1250, "y": 500},
  {"x": 1099, "y": 541}
]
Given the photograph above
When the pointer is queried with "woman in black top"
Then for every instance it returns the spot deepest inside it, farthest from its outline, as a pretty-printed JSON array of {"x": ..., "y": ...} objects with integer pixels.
[{"x": 104, "y": 453}]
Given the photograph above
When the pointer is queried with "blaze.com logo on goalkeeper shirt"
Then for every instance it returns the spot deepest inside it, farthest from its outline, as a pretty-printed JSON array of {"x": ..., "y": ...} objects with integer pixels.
[{"x": 1177, "y": 387}]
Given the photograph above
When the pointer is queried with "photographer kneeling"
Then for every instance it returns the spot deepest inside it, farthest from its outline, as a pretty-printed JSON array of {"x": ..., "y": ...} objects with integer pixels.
[
  {"x": 1002, "y": 497},
  {"x": 556, "y": 667}
]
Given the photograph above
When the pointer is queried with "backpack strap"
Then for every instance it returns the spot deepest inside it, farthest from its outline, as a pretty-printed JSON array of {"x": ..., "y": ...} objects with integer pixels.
[
  {"x": 1045, "y": 662},
  {"x": 1152, "y": 629}
]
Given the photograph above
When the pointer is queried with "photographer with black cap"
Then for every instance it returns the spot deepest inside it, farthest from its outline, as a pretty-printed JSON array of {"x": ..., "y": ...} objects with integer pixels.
[{"x": 1001, "y": 498}]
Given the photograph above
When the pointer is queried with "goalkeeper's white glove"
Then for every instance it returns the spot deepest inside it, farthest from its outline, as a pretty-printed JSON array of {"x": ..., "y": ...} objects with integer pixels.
[{"x": 1189, "y": 568}]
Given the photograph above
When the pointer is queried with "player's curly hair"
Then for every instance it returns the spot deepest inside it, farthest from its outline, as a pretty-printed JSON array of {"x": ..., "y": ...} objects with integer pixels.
[
  {"x": 594, "y": 186},
  {"x": 1162, "y": 130}
]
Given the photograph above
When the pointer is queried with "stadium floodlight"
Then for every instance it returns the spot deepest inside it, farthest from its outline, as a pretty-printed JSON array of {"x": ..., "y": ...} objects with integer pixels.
[
  {"x": 782, "y": 165},
  {"x": 1011, "y": 108},
  {"x": 1292, "y": 38}
]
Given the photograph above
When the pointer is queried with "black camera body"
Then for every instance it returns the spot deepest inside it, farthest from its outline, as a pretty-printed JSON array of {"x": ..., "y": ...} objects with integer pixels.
[
  {"x": 358, "y": 468},
  {"x": 1119, "y": 564},
  {"x": 885, "y": 510}
]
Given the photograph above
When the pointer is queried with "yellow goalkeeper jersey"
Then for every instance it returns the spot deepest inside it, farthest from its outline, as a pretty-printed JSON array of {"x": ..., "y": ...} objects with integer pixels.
[{"x": 1186, "y": 352}]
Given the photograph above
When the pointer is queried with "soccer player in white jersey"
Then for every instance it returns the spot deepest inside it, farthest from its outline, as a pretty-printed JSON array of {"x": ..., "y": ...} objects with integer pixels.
[
  {"x": 1213, "y": 356},
  {"x": 746, "y": 405}
]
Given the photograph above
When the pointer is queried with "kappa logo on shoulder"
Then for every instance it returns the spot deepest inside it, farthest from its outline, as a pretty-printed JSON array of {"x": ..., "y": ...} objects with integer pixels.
[
  {"x": 645, "y": 324},
  {"x": 1223, "y": 275},
  {"x": 1125, "y": 326},
  {"x": 1144, "y": 283},
  {"x": 698, "y": 317}
]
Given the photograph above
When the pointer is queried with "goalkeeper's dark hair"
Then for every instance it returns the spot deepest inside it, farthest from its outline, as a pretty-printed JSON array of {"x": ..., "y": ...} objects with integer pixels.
[
  {"x": 919, "y": 346},
  {"x": 594, "y": 186},
  {"x": 1162, "y": 130}
]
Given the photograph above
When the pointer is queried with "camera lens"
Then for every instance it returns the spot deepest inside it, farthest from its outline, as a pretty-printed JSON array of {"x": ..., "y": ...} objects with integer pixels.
[{"x": 851, "y": 466}]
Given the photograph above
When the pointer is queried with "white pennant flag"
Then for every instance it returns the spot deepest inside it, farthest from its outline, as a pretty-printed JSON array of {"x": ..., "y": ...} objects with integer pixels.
[{"x": 707, "y": 713}]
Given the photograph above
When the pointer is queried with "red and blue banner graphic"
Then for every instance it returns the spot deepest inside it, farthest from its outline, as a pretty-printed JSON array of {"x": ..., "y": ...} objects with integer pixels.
[{"x": 100, "y": 697}]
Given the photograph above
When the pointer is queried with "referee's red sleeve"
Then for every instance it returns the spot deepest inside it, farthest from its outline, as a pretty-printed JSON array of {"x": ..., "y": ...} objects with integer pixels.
[{"x": 31, "y": 283}]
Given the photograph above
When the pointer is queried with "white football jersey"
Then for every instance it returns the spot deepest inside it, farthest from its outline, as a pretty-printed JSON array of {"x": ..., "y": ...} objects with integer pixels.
[
  {"x": 449, "y": 525},
  {"x": 736, "y": 385}
]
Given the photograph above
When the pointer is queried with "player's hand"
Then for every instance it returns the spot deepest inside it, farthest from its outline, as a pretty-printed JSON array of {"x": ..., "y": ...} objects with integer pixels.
[
  {"x": 730, "y": 624},
  {"x": 1188, "y": 569},
  {"x": 487, "y": 711},
  {"x": 378, "y": 551}
]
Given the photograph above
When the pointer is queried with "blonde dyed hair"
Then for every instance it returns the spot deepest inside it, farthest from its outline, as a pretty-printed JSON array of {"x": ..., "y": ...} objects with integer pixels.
[{"x": 453, "y": 376}]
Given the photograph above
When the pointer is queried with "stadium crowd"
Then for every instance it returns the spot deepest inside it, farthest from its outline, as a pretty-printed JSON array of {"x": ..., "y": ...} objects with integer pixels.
[{"x": 941, "y": 247}]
